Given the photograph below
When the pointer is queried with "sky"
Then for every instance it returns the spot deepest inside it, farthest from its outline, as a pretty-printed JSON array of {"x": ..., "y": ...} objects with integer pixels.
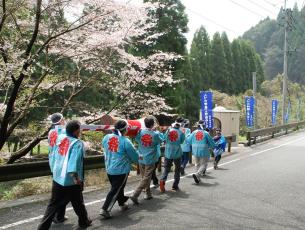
[{"x": 233, "y": 16}]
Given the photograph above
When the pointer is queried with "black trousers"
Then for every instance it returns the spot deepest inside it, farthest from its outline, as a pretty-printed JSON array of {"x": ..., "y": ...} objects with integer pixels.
[
  {"x": 116, "y": 193},
  {"x": 154, "y": 177},
  {"x": 61, "y": 195},
  {"x": 217, "y": 159},
  {"x": 168, "y": 163},
  {"x": 60, "y": 215}
]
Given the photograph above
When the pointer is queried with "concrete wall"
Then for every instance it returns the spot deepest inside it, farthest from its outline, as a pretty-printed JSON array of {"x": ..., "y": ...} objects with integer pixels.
[{"x": 229, "y": 123}]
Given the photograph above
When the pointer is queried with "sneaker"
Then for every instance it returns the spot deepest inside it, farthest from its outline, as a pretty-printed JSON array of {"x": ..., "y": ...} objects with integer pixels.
[
  {"x": 105, "y": 214},
  {"x": 215, "y": 165},
  {"x": 162, "y": 185},
  {"x": 156, "y": 185},
  {"x": 86, "y": 224},
  {"x": 182, "y": 171},
  {"x": 134, "y": 200},
  {"x": 196, "y": 179},
  {"x": 148, "y": 197},
  {"x": 124, "y": 207},
  {"x": 175, "y": 188},
  {"x": 58, "y": 221}
]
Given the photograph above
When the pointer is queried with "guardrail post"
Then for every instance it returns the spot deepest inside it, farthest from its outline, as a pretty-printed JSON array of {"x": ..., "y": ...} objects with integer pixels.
[
  {"x": 229, "y": 145},
  {"x": 286, "y": 132},
  {"x": 272, "y": 135},
  {"x": 254, "y": 141},
  {"x": 249, "y": 138}
]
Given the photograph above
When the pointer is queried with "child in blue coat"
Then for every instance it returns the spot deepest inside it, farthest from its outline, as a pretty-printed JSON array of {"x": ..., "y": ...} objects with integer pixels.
[
  {"x": 186, "y": 147},
  {"x": 57, "y": 119},
  {"x": 173, "y": 138},
  {"x": 68, "y": 177},
  {"x": 220, "y": 147},
  {"x": 148, "y": 141},
  {"x": 119, "y": 155},
  {"x": 201, "y": 141}
]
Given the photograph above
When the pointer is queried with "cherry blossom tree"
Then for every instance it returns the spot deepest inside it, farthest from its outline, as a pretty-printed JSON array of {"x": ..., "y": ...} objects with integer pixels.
[{"x": 37, "y": 36}]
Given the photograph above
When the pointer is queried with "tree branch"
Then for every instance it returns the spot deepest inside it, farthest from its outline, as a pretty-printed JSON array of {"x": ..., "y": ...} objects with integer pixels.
[{"x": 4, "y": 14}]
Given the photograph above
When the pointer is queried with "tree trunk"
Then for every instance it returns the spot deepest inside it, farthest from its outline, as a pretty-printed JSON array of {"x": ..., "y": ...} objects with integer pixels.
[{"x": 23, "y": 151}]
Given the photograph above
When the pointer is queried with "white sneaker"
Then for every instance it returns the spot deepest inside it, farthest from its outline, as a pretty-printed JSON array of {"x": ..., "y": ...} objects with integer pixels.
[{"x": 148, "y": 197}]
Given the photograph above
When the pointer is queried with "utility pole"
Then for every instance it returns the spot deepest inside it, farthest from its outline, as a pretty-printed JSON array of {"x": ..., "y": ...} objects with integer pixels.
[
  {"x": 254, "y": 95},
  {"x": 285, "y": 77}
]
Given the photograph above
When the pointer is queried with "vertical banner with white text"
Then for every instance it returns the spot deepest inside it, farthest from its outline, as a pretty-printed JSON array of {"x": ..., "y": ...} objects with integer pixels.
[
  {"x": 206, "y": 100},
  {"x": 250, "y": 102},
  {"x": 274, "y": 109}
]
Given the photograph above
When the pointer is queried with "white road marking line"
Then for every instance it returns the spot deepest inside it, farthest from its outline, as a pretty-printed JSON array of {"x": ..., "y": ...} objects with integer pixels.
[
  {"x": 130, "y": 192},
  {"x": 277, "y": 147}
]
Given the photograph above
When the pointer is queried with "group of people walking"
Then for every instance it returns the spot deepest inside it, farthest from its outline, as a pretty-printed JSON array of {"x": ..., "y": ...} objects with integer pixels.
[{"x": 67, "y": 153}]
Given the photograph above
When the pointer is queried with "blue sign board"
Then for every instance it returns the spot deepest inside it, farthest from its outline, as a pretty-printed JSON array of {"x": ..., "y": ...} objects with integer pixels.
[
  {"x": 274, "y": 109},
  {"x": 250, "y": 102},
  {"x": 206, "y": 99}
]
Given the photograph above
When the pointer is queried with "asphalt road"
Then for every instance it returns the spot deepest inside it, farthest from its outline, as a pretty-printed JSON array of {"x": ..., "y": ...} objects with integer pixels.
[{"x": 261, "y": 187}]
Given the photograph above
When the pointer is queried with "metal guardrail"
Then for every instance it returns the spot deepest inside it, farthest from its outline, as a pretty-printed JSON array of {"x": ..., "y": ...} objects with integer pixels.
[
  {"x": 41, "y": 168},
  {"x": 20, "y": 171},
  {"x": 270, "y": 132}
]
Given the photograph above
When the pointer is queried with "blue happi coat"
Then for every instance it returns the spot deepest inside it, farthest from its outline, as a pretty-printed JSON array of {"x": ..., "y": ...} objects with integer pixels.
[
  {"x": 52, "y": 138},
  {"x": 161, "y": 136},
  {"x": 68, "y": 157},
  {"x": 186, "y": 146},
  {"x": 173, "y": 138},
  {"x": 119, "y": 154},
  {"x": 201, "y": 141},
  {"x": 148, "y": 142},
  {"x": 220, "y": 145}
]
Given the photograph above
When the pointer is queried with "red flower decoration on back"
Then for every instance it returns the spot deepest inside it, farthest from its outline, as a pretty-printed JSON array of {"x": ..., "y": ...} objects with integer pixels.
[
  {"x": 113, "y": 144},
  {"x": 199, "y": 136},
  {"x": 146, "y": 140},
  {"x": 64, "y": 146},
  {"x": 52, "y": 138},
  {"x": 173, "y": 136}
]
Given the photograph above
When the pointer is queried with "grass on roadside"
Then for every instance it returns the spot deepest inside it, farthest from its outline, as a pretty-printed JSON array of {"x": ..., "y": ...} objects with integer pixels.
[{"x": 35, "y": 186}]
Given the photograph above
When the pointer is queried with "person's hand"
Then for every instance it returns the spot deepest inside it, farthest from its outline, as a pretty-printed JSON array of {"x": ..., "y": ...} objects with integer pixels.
[{"x": 77, "y": 181}]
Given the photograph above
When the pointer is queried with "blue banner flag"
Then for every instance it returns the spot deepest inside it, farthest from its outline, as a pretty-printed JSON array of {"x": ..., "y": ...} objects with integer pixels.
[
  {"x": 250, "y": 102},
  {"x": 274, "y": 109},
  {"x": 206, "y": 99}
]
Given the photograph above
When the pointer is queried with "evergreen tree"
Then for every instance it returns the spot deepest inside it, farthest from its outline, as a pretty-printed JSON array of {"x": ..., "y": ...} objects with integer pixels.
[
  {"x": 229, "y": 68},
  {"x": 172, "y": 21},
  {"x": 218, "y": 63}
]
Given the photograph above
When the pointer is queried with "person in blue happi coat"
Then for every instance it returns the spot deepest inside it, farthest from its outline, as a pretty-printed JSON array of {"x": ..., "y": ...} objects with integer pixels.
[
  {"x": 186, "y": 147},
  {"x": 220, "y": 147},
  {"x": 119, "y": 155},
  {"x": 148, "y": 141},
  {"x": 154, "y": 177},
  {"x": 57, "y": 128},
  {"x": 201, "y": 142},
  {"x": 68, "y": 177},
  {"x": 173, "y": 138}
]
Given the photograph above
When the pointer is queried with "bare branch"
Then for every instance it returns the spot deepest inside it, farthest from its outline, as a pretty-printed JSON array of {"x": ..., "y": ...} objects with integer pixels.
[
  {"x": 36, "y": 28},
  {"x": 4, "y": 15}
]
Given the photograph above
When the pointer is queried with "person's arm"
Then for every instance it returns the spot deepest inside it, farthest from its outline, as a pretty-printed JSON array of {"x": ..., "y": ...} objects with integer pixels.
[
  {"x": 182, "y": 138},
  {"x": 138, "y": 137},
  {"x": 210, "y": 140},
  {"x": 131, "y": 151},
  {"x": 75, "y": 160}
]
